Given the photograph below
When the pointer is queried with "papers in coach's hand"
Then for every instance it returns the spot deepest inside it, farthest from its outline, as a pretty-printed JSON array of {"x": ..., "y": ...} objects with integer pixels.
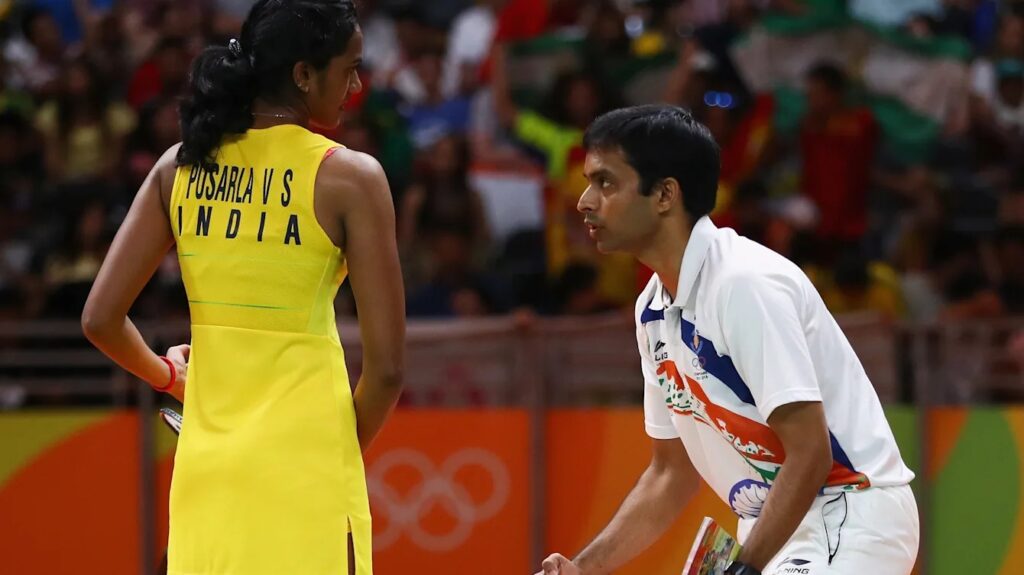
[{"x": 712, "y": 551}]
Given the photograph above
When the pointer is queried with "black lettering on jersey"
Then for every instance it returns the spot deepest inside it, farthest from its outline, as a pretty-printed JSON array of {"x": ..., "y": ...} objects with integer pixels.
[
  {"x": 232, "y": 194},
  {"x": 233, "y": 221},
  {"x": 293, "y": 230},
  {"x": 268, "y": 177},
  {"x": 247, "y": 194},
  {"x": 203, "y": 223},
  {"x": 222, "y": 185},
  {"x": 193, "y": 177},
  {"x": 263, "y": 221},
  {"x": 286, "y": 197},
  {"x": 179, "y": 220},
  {"x": 209, "y": 183}
]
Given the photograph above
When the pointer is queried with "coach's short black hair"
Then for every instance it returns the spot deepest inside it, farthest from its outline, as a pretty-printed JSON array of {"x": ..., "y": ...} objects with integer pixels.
[{"x": 659, "y": 142}]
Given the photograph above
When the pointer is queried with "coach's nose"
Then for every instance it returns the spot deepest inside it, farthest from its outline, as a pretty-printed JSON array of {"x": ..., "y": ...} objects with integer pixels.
[{"x": 588, "y": 201}]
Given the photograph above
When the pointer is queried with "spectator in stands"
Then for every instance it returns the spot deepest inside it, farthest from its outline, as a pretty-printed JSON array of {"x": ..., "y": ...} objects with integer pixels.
[
  {"x": 742, "y": 126},
  {"x": 433, "y": 113},
  {"x": 689, "y": 79},
  {"x": 1008, "y": 105},
  {"x": 556, "y": 135},
  {"x": 163, "y": 74},
  {"x": 83, "y": 130},
  {"x": 1011, "y": 202},
  {"x": 717, "y": 39},
  {"x": 892, "y": 14},
  {"x": 922, "y": 26},
  {"x": 522, "y": 20},
  {"x": 1009, "y": 44},
  {"x": 747, "y": 212},
  {"x": 107, "y": 49},
  {"x": 381, "y": 48},
  {"x": 13, "y": 99},
  {"x": 469, "y": 44},
  {"x": 606, "y": 30},
  {"x": 860, "y": 285},
  {"x": 148, "y": 25},
  {"x": 35, "y": 57},
  {"x": 428, "y": 93},
  {"x": 838, "y": 146},
  {"x": 954, "y": 285},
  {"x": 73, "y": 17},
  {"x": 12, "y": 290},
  {"x": 441, "y": 196},
  {"x": 158, "y": 130},
  {"x": 576, "y": 292},
  {"x": 1009, "y": 246},
  {"x": 358, "y": 134},
  {"x": 788, "y": 229},
  {"x": 231, "y": 13},
  {"x": 20, "y": 173},
  {"x": 398, "y": 72},
  {"x": 455, "y": 287},
  {"x": 997, "y": 124},
  {"x": 68, "y": 272}
]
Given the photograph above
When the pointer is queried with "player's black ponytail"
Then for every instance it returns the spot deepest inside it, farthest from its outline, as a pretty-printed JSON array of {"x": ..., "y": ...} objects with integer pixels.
[
  {"x": 219, "y": 102},
  {"x": 226, "y": 79}
]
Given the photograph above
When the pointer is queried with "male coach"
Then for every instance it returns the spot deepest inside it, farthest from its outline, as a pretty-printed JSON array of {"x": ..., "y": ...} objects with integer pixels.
[{"x": 749, "y": 383}]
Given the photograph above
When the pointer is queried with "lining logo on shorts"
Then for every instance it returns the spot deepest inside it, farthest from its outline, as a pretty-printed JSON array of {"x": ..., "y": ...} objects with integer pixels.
[{"x": 797, "y": 570}]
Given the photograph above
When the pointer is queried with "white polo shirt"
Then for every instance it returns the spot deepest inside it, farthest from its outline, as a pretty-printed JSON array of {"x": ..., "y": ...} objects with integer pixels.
[{"x": 746, "y": 333}]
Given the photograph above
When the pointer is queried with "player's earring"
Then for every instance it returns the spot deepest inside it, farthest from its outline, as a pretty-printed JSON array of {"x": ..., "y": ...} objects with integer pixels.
[{"x": 304, "y": 89}]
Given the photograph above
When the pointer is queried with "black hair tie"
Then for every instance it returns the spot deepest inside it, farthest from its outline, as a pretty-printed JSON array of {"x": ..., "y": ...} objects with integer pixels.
[{"x": 236, "y": 48}]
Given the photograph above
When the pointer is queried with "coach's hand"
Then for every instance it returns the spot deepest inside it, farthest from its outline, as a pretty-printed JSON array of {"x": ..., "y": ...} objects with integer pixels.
[
  {"x": 558, "y": 564},
  {"x": 179, "y": 358}
]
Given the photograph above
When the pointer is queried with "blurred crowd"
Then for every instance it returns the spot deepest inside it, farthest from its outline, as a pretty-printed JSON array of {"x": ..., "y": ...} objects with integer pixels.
[{"x": 907, "y": 201}]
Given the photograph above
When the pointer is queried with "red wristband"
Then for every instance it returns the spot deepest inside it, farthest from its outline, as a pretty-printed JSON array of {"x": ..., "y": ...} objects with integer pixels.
[{"x": 174, "y": 375}]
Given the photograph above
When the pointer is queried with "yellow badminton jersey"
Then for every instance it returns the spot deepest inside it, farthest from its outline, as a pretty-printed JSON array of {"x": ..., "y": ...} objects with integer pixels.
[{"x": 268, "y": 475}]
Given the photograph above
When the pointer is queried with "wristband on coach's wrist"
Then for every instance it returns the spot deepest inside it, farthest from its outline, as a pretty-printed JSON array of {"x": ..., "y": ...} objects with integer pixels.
[
  {"x": 737, "y": 568},
  {"x": 174, "y": 375}
]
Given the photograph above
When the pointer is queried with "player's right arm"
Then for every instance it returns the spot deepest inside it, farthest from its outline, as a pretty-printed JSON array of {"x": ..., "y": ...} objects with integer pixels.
[
  {"x": 664, "y": 488},
  {"x": 361, "y": 200},
  {"x": 657, "y": 499}
]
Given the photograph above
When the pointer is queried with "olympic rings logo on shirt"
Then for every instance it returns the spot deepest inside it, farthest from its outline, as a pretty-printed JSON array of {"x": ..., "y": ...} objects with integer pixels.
[{"x": 437, "y": 486}]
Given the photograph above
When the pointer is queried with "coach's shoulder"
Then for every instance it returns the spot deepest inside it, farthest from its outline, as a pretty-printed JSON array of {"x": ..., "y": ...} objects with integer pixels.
[
  {"x": 646, "y": 296},
  {"x": 744, "y": 295}
]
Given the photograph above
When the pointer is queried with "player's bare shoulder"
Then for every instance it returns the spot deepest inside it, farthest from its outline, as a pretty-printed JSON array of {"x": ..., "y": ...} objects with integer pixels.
[
  {"x": 348, "y": 175},
  {"x": 163, "y": 172}
]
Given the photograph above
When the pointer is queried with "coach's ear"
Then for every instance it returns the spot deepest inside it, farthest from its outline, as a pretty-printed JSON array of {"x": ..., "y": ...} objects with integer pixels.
[{"x": 667, "y": 192}]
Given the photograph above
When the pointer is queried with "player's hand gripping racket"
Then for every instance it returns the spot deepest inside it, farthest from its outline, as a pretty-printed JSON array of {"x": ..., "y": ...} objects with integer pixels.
[{"x": 172, "y": 418}]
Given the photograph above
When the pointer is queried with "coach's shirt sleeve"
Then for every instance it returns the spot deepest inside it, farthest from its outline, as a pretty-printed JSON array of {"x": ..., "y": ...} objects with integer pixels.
[
  {"x": 764, "y": 335},
  {"x": 657, "y": 419}
]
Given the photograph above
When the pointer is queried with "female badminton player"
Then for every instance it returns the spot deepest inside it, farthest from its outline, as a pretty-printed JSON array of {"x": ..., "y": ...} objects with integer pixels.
[{"x": 268, "y": 219}]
